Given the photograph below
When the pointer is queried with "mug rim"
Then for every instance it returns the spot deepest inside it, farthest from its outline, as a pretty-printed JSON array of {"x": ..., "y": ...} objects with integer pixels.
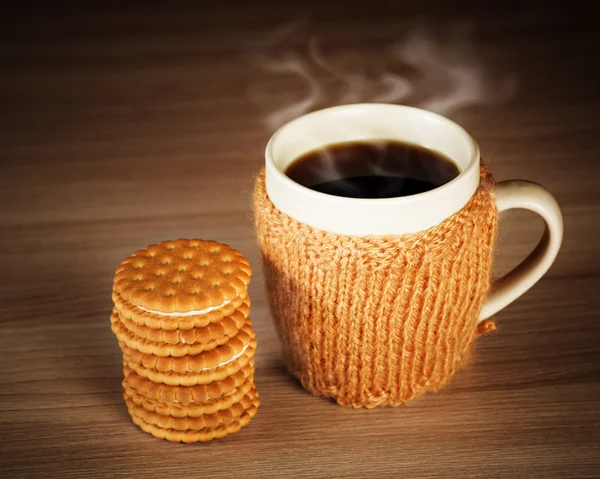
[{"x": 397, "y": 200}]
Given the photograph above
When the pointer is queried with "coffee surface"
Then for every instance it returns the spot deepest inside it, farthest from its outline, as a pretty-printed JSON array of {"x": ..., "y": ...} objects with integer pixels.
[{"x": 369, "y": 169}]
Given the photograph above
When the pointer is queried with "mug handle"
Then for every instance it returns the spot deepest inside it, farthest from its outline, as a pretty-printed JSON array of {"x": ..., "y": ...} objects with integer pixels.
[{"x": 533, "y": 197}]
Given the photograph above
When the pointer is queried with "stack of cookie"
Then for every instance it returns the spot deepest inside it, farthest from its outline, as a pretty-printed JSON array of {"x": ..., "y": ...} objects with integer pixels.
[{"x": 181, "y": 318}]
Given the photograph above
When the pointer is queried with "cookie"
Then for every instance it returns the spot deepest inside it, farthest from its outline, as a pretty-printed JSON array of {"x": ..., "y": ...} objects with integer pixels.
[
  {"x": 226, "y": 326},
  {"x": 173, "y": 323},
  {"x": 204, "y": 361},
  {"x": 192, "y": 409},
  {"x": 209, "y": 420},
  {"x": 200, "y": 435},
  {"x": 187, "y": 394},
  {"x": 213, "y": 335},
  {"x": 182, "y": 277},
  {"x": 191, "y": 378}
]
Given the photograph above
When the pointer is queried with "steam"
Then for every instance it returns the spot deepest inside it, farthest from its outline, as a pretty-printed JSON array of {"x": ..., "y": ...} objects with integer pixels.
[
  {"x": 452, "y": 73},
  {"x": 290, "y": 64},
  {"x": 393, "y": 88},
  {"x": 442, "y": 73}
]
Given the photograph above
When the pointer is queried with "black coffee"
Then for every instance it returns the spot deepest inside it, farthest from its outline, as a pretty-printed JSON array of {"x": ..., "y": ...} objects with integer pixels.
[{"x": 382, "y": 169}]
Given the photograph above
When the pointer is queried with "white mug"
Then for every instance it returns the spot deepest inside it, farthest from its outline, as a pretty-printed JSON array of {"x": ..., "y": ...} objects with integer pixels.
[{"x": 408, "y": 214}]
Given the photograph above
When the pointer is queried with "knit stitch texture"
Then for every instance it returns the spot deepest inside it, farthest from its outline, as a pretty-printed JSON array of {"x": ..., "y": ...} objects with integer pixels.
[{"x": 377, "y": 320}]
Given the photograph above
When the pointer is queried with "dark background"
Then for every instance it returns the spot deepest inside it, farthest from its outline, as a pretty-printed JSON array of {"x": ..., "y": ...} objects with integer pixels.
[{"x": 124, "y": 125}]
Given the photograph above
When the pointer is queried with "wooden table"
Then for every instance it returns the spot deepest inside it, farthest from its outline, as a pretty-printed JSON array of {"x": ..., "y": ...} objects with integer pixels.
[{"x": 123, "y": 127}]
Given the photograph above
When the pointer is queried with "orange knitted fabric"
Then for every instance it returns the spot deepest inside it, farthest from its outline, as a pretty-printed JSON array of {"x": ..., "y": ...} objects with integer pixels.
[{"x": 377, "y": 320}]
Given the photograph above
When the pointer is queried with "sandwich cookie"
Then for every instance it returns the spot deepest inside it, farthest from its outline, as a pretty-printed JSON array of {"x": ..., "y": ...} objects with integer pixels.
[
  {"x": 208, "y": 420},
  {"x": 211, "y": 336},
  {"x": 192, "y": 409},
  {"x": 188, "y": 377},
  {"x": 227, "y": 326},
  {"x": 201, "y": 435},
  {"x": 183, "y": 395},
  {"x": 181, "y": 284}
]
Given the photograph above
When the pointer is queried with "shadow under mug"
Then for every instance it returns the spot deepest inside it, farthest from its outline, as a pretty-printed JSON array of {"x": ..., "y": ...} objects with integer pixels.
[{"x": 377, "y": 300}]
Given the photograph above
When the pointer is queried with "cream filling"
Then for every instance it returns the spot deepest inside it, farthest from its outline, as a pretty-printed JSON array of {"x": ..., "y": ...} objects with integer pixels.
[
  {"x": 233, "y": 358},
  {"x": 187, "y": 313}
]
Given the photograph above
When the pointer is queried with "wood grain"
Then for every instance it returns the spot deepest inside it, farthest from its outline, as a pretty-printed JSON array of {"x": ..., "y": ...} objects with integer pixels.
[{"x": 124, "y": 126}]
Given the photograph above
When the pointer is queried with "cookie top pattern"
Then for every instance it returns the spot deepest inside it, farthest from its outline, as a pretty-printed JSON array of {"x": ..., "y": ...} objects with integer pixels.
[{"x": 183, "y": 276}]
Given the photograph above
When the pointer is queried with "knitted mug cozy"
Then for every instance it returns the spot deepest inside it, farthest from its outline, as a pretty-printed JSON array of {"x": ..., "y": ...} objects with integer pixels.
[{"x": 378, "y": 320}]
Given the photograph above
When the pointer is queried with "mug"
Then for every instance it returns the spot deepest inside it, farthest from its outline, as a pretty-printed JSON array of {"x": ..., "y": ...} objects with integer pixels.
[{"x": 379, "y": 300}]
